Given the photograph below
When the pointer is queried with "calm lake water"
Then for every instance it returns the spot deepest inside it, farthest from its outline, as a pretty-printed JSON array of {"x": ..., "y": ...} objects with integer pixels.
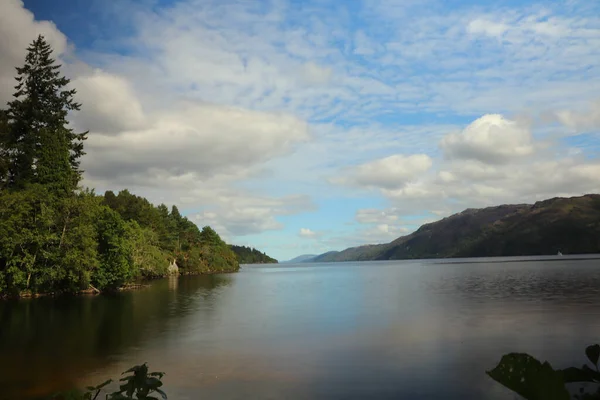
[{"x": 386, "y": 330}]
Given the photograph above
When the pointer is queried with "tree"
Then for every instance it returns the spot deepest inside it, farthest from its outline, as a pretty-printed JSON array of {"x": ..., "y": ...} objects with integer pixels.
[
  {"x": 27, "y": 235},
  {"x": 4, "y": 153},
  {"x": 54, "y": 238},
  {"x": 115, "y": 252},
  {"x": 41, "y": 147}
]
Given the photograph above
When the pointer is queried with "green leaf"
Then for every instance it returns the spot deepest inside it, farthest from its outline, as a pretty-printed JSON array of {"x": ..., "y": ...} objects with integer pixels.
[
  {"x": 593, "y": 354},
  {"x": 572, "y": 374},
  {"x": 153, "y": 383},
  {"x": 135, "y": 368},
  {"x": 583, "y": 374},
  {"x": 162, "y": 394},
  {"x": 528, "y": 377},
  {"x": 100, "y": 386}
]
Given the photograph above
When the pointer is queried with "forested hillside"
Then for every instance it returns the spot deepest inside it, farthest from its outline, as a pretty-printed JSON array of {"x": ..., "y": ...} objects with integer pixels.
[
  {"x": 249, "y": 255},
  {"x": 56, "y": 236},
  {"x": 569, "y": 225}
]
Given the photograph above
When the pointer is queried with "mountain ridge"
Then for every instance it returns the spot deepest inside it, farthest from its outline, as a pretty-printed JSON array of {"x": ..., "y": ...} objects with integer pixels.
[{"x": 567, "y": 224}]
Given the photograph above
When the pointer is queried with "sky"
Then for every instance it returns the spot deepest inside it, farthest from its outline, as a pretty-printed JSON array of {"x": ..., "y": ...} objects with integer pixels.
[{"x": 306, "y": 126}]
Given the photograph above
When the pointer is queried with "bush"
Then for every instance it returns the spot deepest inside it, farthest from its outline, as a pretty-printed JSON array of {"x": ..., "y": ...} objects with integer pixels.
[{"x": 528, "y": 377}]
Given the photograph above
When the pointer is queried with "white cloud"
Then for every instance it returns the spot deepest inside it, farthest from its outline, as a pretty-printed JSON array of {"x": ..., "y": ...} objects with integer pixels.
[
  {"x": 109, "y": 103},
  {"x": 240, "y": 214},
  {"x": 490, "y": 139},
  {"x": 487, "y": 27},
  {"x": 581, "y": 121},
  {"x": 315, "y": 74},
  {"x": 364, "y": 45},
  {"x": 307, "y": 233},
  {"x": 485, "y": 176},
  {"x": 383, "y": 233},
  {"x": 162, "y": 143},
  {"x": 18, "y": 29},
  {"x": 194, "y": 139},
  {"x": 214, "y": 97},
  {"x": 391, "y": 172},
  {"x": 372, "y": 234},
  {"x": 375, "y": 216}
]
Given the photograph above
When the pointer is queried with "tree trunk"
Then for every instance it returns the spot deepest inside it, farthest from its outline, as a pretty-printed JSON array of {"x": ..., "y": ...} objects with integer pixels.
[{"x": 64, "y": 230}]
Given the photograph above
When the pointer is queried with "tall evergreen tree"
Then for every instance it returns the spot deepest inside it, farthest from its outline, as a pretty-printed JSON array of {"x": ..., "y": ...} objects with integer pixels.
[
  {"x": 42, "y": 148},
  {"x": 4, "y": 153}
]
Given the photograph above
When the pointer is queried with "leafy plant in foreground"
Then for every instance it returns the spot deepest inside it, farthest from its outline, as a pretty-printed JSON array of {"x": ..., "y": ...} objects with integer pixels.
[
  {"x": 140, "y": 384},
  {"x": 528, "y": 377}
]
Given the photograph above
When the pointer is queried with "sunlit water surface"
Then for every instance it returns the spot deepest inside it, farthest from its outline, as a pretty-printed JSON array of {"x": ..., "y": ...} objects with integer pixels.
[{"x": 386, "y": 330}]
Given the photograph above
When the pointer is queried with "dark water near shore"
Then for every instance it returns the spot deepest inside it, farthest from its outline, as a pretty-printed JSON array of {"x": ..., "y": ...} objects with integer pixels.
[{"x": 386, "y": 330}]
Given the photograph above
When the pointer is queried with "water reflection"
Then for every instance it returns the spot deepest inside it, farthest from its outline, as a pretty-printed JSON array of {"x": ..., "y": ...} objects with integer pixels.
[
  {"x": 47, "y": 344},
  {"x": 416, "y": 330}
]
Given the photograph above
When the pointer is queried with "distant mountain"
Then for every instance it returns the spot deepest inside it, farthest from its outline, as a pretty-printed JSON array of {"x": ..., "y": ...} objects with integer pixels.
[
  {"x": 325, "y": 256},
  {"x": 248, "y": 255},
  {"x": 301, "y": 259},
  {"x": 570, "y": 225}
]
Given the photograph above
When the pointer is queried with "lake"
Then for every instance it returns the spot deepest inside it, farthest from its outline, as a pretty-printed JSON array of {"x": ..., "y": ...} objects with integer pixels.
[{"x": 386, "y": 330}]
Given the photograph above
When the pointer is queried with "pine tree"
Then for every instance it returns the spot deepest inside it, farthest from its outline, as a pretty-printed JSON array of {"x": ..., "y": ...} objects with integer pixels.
[
  {"x": 4, "y": 154},
  {"x": 41, "y": 146}
]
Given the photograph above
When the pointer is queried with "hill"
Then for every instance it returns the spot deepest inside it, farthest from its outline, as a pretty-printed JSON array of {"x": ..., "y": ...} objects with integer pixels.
[
  {"x": 247, "y": 255},
  {"x": 570, "y": 225}
]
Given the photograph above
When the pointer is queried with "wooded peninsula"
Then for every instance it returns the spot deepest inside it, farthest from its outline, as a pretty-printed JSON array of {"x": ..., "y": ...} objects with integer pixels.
[{"x": 58, "y": 237}]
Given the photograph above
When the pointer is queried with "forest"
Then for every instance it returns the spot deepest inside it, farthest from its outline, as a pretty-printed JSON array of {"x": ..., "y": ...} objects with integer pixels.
[
  {"x": 250, "y": 255},
  {"x": 59, "y": 237}
]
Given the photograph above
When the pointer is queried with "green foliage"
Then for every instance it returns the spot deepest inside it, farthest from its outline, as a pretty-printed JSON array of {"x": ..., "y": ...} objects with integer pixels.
[
  {"x": 247, "y": 255},
  {"x": 139, "y": 384},
  {"x": 4, "y": 150},
  {"x": 55, "y": 237},
  {"x": 571, "y": 225},
  {"x": 149, "y": 260},
  {"x": 525, "y": 375},
  {"x": 41, "y": 148},
  {"x": 161, "y": 236},
  {"x": 114, "y": 247},
  {"x": 27, "y": 232}
]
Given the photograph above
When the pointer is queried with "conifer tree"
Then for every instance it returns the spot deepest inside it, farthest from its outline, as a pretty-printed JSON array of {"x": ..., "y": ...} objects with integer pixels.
[
  {"x": 41, "y": 146},
  {"x": 4, "y": 154}
]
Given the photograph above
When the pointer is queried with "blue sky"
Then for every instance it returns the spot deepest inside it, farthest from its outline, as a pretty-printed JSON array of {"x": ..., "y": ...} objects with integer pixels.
[{"x": 307, "y": 126}]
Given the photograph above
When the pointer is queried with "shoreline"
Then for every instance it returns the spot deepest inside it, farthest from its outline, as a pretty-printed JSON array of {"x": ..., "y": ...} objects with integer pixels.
[{"x": 92, "y": 291}]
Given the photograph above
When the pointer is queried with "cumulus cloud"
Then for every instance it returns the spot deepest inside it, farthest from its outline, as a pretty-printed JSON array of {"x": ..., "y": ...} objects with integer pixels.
[
  {"x": 212, "y": 95},
  {"x": 475, "y": 174},
  {"x": 18, "y": 28},
  {"x": 242, "y": 213},
  {"x": 200, "y": 140},
  {"x": 167, "y": 145},
  {"x": 491, "y": 139},
  {"x": 110, "y": 105},
  {"x": 581, "y": 121},
  {"x": 390, "y": 172}
]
